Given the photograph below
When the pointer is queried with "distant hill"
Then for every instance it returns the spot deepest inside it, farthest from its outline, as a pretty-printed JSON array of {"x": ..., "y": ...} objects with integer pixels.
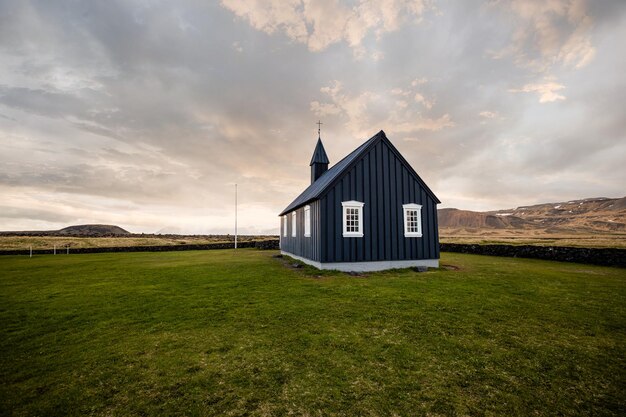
[
  {"x": 604, "y": 215},
  {"x": 452, "y": 217},
  {"x": 85, "y": 230},
  {"x": 93, "y": 230}
]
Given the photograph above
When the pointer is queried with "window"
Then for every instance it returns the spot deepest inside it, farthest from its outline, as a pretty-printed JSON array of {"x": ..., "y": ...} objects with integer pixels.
[
  {"x": 412, "y": 220},
  {"x": 293, "y": 224},
  {"x": 307, "y": 221},
  {"x": 285, "y": 226},
  {"x": 352, "y": 218}
]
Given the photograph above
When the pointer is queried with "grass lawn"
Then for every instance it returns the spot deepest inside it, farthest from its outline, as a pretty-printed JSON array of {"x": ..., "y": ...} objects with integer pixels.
[{"x": 239, "y": 333}]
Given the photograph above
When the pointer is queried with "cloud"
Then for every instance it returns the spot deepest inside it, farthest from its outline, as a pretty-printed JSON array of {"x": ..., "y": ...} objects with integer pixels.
[
  {"x": 488, "y": 114},
  {"x": 13, "y": 212},
  {"x": 549, "y": 33},
  {"x": 377, "y": 55},
  {"x": 417, "y": 124},
  {"x": 325, "y": 109},
  {"x": 319, "y": 24},
  {"x": 547, "y": 90},
  {"x": 365, "y": 110},
  {"x": 146, "y": 114},
  {"x": 419, "y": 98}
]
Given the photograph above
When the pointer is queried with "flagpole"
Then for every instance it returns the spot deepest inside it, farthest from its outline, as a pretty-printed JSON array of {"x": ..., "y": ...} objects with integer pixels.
[{"x": 235, "y": 216}]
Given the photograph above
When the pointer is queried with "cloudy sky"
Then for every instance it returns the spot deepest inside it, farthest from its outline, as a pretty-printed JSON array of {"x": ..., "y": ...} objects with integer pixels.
[{"x": 146, "y": 113}]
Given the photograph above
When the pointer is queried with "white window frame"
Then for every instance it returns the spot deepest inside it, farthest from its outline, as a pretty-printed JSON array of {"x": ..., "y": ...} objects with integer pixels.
[
  {"x": 307, "y": 221},
  {"x": 352, "y": 205},
  {"x": 412, "y": 207},
  {"x": 284, "y": 226},
  {"x": 293, "y": 224}
]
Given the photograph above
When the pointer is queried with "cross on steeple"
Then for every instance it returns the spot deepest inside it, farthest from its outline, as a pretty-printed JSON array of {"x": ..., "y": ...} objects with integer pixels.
[{"x": 319, "y": 128}]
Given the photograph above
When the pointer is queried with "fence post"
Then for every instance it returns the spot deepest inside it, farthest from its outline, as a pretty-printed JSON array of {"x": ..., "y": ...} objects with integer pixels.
[
  {"x": 31, "y": 251},
  {"x": 68, "y": 249},
  {"x": 55, "y": 250}
]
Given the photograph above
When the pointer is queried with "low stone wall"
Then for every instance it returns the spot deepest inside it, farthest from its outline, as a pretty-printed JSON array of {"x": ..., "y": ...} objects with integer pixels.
[
  {"x": 272, "y": 244},
  {"x": 262, "y": 244},
  {"x": 597, "y": 256}
]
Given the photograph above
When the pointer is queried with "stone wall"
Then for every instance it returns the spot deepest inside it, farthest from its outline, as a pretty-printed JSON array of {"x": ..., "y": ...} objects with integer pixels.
[
  {"x": 272, "y": 244},
  {"x": 597, "y": 256}
]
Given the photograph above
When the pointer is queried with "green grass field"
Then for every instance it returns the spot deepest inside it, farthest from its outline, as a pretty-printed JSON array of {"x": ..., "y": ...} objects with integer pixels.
[{"x": 242, "y": 333}]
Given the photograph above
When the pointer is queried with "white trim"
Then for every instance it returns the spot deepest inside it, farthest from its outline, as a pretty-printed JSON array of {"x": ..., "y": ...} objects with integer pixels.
[
  {"x": 366, "y": 266},
  {"x": 412, "y": 207},
  {"x": 352, "y": 203},
  {"x": 307, "y": 221},
  {"x": 359, "y": 207},
  {"x": 284, "y": 223},
  {"x": 294, "y": 225}
]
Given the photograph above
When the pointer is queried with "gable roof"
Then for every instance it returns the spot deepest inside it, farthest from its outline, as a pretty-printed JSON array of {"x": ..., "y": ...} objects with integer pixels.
[
  {"x": 327, "y": 179},
  {"x": 319, "y": 154}
]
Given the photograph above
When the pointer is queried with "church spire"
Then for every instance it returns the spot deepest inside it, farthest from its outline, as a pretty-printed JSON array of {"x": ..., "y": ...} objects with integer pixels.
[
  {"x": 319, "y": 154},
  {"x": 319, "y": 161}
]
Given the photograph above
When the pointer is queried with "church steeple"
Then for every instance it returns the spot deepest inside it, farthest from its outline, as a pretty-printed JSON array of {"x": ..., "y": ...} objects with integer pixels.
[{"x": 319, "y": 161}]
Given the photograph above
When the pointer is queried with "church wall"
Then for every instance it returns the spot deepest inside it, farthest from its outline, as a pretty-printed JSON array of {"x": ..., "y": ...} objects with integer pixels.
[
  {"x": 384, "y": 184},
  {"x": 300, "y": 245}
]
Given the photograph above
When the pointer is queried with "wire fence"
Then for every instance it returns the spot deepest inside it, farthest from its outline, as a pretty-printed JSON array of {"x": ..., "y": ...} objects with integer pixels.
[{"x": 67, "y": 249}]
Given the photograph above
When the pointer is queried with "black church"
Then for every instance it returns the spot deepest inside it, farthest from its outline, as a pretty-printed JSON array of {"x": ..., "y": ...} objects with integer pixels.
[{"x": 369, "y": 212}]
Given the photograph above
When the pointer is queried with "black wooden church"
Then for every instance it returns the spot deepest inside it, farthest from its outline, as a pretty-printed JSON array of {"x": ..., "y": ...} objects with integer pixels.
[{"x": 369, "y": 212}]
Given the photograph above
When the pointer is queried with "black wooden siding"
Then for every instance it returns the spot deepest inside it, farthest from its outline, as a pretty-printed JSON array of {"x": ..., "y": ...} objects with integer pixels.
[
  {"x": 307, "y": 247},
  {"x": 384, "y": 184}
]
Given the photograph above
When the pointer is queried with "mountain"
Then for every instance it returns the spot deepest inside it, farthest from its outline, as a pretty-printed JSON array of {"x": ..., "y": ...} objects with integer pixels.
[
  {"x": 451, "y": 217},
  {"x": 84, "y": 230},
  {"x": 590, "y": 215}
]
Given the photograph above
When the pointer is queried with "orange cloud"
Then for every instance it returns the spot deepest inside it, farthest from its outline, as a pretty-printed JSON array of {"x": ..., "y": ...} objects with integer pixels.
[
  {"x": 319, "y": 24},
  {"x": 548, "y": 33},
  {"x": 547, "y": 91},
  {"x": 366, "y": 110}
]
